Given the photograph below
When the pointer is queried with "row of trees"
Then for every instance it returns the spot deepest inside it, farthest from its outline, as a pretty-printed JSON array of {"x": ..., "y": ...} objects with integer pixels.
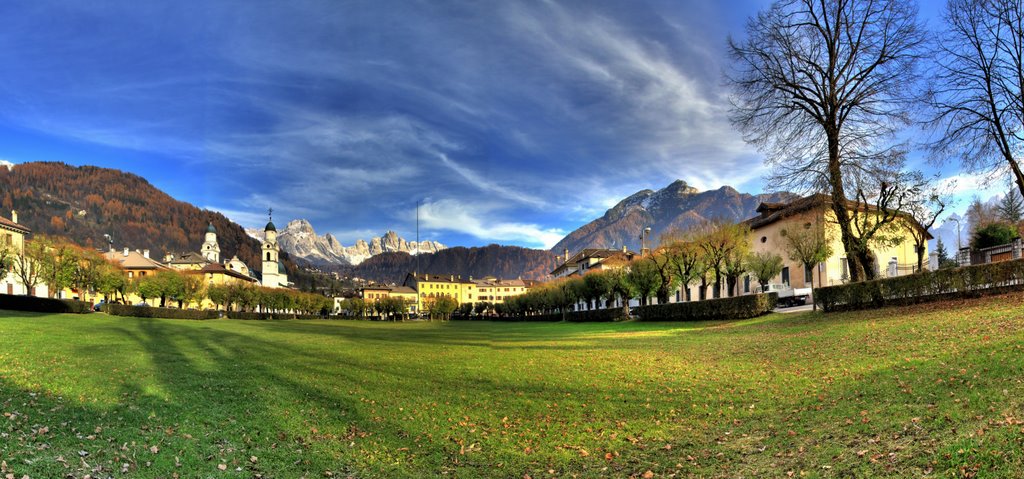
[
  {"x": 824, "y": 88},
  {"x": 715, "y": 255},
  {"x": 60, "y": 264}
]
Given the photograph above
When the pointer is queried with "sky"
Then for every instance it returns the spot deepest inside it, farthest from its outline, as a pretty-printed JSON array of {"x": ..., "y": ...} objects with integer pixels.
[{"x": 511, "y": 122}]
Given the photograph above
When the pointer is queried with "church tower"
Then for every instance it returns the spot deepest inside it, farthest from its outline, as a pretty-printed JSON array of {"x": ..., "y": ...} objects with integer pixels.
[
  {"x": 273, "y": 273},
  {"x": 211, "y": 250}
]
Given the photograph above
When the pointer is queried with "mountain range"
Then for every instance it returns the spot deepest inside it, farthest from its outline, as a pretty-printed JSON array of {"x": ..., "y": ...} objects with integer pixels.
[
  {"x": 675, "y": 207},
  {"x": 299, "y": 239},
  {"x": 88, "y": 203}
]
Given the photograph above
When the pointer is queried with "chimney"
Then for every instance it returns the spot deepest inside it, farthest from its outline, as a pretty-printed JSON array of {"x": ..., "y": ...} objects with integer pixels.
[
  {"x": 566, "y": 253},
  {"x": 623, "y": 248},
  {"x": 145, "y": 253},
  {"x": 126, "y": 251},
  {"x": 452, "y": 278},
  {"x": 14, "y": 216}
]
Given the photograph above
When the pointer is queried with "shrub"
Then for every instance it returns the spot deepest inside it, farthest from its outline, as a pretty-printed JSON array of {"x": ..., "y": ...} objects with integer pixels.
[
  {"x": 43, "y": 305},
  {"x": 952, "y": 283},
  {"x": 593, "y": 316},
  {"x": 153, "y": 312},
  {"x": 738, "y": 307},
  {"x": 251, "y": 315}
]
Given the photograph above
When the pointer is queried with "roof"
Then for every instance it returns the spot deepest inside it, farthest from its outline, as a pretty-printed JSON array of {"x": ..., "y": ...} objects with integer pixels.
[
  {"x": 437, "y": 278},
  {"x": 6, "y": 223},
  {"x": 217, "y": 268},
  {"x": 270, "y": 226},
  {"x": 773, "y": 212},
  {"x": 587, "y": 253},
  {"x": 403, "y": 290},
  {"x": 489, "y": 282},
  {"x": 211, "y": 229},
  {"x": 190, "y": 257},
  {"x": 134, "y": 260}
]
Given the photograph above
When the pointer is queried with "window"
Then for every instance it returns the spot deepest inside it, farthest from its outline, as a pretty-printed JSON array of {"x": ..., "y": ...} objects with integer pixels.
[
  {"x": 785, "y": 275},
  {"x": 268, "y": 255},
  {"x": 808, "y": 273},
  {"x": 10, "y": 239},
  {"x": 764, "y": 239},
  {"x": 746, "y": 284},
  {"x": 131, "y": 274},
  {"x": 844, "y": 268}
]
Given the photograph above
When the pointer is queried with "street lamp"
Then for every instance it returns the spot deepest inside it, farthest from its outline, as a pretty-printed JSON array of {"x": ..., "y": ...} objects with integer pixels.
[
  {"x": 957, "y": 221},
  {"x": 643, "y": 241}
]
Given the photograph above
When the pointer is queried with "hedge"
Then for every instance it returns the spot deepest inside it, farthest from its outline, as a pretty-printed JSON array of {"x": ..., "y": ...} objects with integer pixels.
[
  {"x": 738, "y": 307},
  {"x": 592, "y": 316},
  {"x": 954, "y": 283},
  {"x": 43, "y": 305},
  {"x": 251, "y": 315},
  {"x": 154, "y": 312}
]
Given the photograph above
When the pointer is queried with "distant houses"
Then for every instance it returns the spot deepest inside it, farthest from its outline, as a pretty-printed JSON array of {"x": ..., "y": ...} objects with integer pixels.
[{"x": 205, "y": 263}]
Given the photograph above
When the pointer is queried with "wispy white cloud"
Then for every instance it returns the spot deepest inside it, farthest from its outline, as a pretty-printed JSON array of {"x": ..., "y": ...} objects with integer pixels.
[
  {"x": 490, "y": 186},
  {"x": 248, "y": 219},
  {"x": 482, "y": 221}
]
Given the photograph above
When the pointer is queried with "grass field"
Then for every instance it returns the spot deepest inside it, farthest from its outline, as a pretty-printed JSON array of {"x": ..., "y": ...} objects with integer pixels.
[{"x": 934, "y": 390}]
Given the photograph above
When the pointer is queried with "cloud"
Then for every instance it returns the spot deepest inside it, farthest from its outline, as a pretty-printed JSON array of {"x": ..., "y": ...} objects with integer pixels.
[
  {"x": 479, "y": 220},
  {"x": 247, "y": 219},
  {"x": 489, "y": 186}
]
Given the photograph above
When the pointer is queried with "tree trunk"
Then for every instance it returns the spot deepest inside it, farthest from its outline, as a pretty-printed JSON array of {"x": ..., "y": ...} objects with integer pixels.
[
  {"x": 856, "y": 266},
  {"x": 663, "y": 294}
]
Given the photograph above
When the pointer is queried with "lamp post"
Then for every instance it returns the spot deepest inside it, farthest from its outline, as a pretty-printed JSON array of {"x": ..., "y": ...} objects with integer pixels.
[
  {"x": 958, "y": 246},
  {"x": 643, "y": 241}
]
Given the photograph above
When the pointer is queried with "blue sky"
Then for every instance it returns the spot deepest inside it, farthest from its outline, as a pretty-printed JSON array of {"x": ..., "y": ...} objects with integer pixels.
[{"x": 512, "y": 121}]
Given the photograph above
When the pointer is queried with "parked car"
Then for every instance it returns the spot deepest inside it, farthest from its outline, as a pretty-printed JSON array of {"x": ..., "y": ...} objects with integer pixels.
[
  {"x": 142, "y": 303},
  {"x": 97, "y": 306},
  {"x": 789, "y": 296}
]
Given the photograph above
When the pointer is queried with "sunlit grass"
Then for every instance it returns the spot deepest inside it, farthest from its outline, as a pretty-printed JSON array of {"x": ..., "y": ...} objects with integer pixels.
[{"x": 930, "y": 390}]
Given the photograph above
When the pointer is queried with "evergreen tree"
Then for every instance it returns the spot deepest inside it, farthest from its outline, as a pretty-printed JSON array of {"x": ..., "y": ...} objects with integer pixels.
[
  {"x": 940, "y": 251},
  {"x": 1011, "y": 207}
]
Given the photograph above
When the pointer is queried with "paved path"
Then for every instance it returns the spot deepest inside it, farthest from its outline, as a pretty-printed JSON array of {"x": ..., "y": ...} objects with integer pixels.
[{"x": 795, "y": 309}]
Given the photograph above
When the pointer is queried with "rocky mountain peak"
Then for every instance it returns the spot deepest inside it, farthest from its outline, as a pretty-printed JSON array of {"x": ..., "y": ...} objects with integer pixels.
[
  {"x": 675, "y": 207},
  {"x": 300, "y": 239}
]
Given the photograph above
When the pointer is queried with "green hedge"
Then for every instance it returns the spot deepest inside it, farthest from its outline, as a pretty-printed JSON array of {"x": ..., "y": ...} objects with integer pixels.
[
  {"x": 953, "y": 283},
  {"x": 250, "y": 315},
  {"x": 43, "y": 305},
  {"x": 154, "y": 312},
  {"x": 738, "y": 307},
  {"x": 593, "y": 316}
]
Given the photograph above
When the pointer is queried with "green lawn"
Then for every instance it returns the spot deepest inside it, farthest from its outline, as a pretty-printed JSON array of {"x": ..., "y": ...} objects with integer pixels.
[{"x": 934, "y": 390}]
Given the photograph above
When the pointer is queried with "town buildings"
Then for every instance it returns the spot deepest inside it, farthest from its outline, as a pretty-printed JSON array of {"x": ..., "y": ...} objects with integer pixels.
[{"x": 13, "y": 240}]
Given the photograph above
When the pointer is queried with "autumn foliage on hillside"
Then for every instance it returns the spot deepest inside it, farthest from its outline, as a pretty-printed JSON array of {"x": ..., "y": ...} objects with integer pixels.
[
  {"x": 492, "y": 260},
  {"x": 84, "y": 203}
]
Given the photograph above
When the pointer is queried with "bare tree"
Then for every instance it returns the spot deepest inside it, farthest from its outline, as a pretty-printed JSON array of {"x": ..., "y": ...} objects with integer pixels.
[
  {"x": 925, "y": 207},
  {"x": 978, "y": 86},
  {"x": 821, "y": 86}
]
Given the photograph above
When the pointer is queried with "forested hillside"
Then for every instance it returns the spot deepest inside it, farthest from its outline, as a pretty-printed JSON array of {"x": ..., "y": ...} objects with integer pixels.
[
  {"x": 84, "y": 203},
  {"x": 493, "y": 260}
]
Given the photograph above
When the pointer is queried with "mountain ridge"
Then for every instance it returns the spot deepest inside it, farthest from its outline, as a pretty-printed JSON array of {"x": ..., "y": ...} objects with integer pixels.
[
  {"x": 300, "y": 240},
  {"x": 674, "y": 207}
]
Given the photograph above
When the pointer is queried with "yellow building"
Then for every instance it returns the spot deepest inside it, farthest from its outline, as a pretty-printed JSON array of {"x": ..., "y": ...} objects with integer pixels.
[
  {"x": 430, "y": 286},
  {"x": 12, "y": 239},
  {"x": 813, "y": 215},
  {"x": 591, "y": 259},
  {"x": 374, "y": 292},
  {"x": 497, "y": 290},
  {"x": 134, "y": 263}
]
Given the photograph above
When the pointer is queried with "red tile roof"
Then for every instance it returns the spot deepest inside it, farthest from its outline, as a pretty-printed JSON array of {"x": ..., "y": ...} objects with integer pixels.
[{"x": 6, "y": 223}]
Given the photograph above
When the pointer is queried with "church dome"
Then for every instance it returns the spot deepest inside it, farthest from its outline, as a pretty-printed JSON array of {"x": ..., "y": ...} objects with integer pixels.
[
  {"x": 270, "y": 227},
  {"x": 211, "y": 229}
]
